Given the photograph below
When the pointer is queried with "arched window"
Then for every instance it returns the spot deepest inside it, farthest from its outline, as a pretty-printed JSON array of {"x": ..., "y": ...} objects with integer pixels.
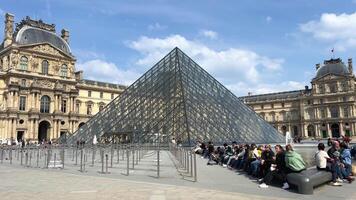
[
  {"x": 45, "y": 104},
  {"x": 101, "y": 106},
  {"x": 311, "y": 131},
  {"x": 64, "y": 71},
  {"x": 45, "y": 67},
  {"x": 23, "y": 63}
]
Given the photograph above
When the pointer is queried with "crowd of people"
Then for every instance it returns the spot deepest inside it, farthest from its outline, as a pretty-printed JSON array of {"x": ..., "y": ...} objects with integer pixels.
[{"x": 271, "y": 165}]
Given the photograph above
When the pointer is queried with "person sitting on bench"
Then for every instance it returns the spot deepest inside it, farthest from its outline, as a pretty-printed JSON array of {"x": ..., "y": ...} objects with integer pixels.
[
  {"x": 294, "y": 162},
  {"x": 325, "y": 163},
  {"x": 277, "y": 169}
]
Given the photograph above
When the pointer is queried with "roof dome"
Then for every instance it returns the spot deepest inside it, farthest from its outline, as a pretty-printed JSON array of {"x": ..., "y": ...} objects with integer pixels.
[
  {"x": 33, "y": 35},
  {"x": 332, "y": 66}
]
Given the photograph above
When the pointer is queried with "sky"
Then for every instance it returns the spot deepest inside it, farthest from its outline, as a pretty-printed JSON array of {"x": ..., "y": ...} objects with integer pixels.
[{"x": 257, "y": 46}]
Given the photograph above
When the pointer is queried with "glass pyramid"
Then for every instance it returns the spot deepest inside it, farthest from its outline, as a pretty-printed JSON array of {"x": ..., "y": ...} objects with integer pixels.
[{"x": 178, "y": 99}]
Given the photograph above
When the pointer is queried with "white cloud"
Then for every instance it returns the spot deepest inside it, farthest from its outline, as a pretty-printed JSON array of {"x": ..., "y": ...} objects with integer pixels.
[
  {"x": 268, "y": 19},
  {"x": 229, "y": 65},
  {"x": 209, "y": 34},
  {"x": 156, "y": 27},
  {"x": 338, "y": 30},
  {"x": 101, "y": 70},
  {"x": 241, "y": 88},
  {"x": 83, "y": 54}
]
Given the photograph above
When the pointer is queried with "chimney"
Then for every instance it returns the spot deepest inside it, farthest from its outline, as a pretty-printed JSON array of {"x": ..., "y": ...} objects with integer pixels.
[
  {"x": 65, "y": 35},
  {"x": 79, "y": 75},
  {"x": 306, "y": 87},
  {"x": 317, "y": 66},
  {"x": 350, "y": 66},
  {"x": 9, "y": 29}
]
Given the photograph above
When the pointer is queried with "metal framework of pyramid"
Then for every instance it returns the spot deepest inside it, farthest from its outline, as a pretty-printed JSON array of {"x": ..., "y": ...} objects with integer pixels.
[{"x": 178, "y": 99}]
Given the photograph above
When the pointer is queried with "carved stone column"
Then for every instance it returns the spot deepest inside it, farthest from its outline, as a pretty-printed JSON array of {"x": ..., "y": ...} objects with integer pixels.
[
  {"x": 35, "y": 128},
  {"x": 30, "y": 130},
  {"x": 59, "y": 102},
  {"x": 329, "y": 131},
  {"x": 13, "y": 126},
  {"x": 16, "y": 98},
  {"x": 342, "y": 132}
]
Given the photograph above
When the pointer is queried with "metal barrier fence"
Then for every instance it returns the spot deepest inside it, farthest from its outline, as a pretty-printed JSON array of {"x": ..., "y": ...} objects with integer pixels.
[
  {"x": 187, "y": 161},
  {"x": 102, "y": 157}
]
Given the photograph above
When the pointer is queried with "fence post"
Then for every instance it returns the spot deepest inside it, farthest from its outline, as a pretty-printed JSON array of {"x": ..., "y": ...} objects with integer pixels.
[
  {"x": 10, "y": 156},
  {"x": 107, "y": 162},
  {"x": 158, "y": 163},
  {"x": 137, "y": 153},
  {"x": 54, "y": 160},
  {"x": 128, "y": 161},
  {"x": 76, "y": 156},
  {"x": 118, "y": 153},
  {"x": 81, "y": 160},
  {"x": 49, "y": 155},
  {"x": 21, "y": 158},
  {"x": 93, "y": 156},
  {"x": 133, "y": 156},
  {"x": 2, "y": 155},
  {"x": 102, "y": 160},
  {"x": 191, "y": 163},
  {"x": 111, "y": 155},
  {"x": 195, "y": 168},
  {"x": 85, "y": 156},
  {"x": 38, "y": 155},
  {"x": 63, "y": 156}
]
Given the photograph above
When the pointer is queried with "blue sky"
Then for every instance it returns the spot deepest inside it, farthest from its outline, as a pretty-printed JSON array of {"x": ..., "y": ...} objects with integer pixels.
[{"x": 253, "y": 46}]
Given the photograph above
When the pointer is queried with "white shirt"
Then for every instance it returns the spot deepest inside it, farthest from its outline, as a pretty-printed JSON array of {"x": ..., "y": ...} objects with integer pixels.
[{"x": 320, "y": 158}]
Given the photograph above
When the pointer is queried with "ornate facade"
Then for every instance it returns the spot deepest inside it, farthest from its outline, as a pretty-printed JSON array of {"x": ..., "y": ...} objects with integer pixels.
[
  {"x": 327, "y": 109},
  {"x": 41, "y": 94}
]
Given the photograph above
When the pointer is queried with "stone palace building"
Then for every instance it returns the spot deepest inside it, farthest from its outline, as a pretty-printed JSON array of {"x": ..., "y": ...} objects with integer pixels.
[
  {"x": 42, "y": 96},
  {"x": 327, "y": 109}
]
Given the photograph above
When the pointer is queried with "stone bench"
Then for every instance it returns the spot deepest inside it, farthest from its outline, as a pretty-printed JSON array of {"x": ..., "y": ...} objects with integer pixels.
[{"x": 308, "y": 179}]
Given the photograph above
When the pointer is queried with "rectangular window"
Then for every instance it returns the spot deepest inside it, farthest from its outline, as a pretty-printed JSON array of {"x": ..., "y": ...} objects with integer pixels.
[
  {"x": 262, "y": 106},
  {"x": 101, "y": 94},
  {"x": 23, "y": 82},
  {"x": 272, "y": 106},
  {"x": 346, "y": 112},
  {"x": 77, "y": 106},
  {"x": 22, "y": 105},
  {"x": 89, "y": 93},
  {"x": 344, "y": 99},
  {"x": 282, "y": 105},
  {"x": 64, "y": 106},
  {"x": 89, "y": 109},
  {"x": 112, "y": 96},
  {"x": 323, "y": 113}
]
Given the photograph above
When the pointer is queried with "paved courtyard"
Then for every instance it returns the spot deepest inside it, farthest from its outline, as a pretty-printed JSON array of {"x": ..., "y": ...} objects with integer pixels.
[{"x": 214, "y": 182}]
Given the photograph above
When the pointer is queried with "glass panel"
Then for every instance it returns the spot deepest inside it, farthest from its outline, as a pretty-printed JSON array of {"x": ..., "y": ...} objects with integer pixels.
[{"x": 178, "y": 99}]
